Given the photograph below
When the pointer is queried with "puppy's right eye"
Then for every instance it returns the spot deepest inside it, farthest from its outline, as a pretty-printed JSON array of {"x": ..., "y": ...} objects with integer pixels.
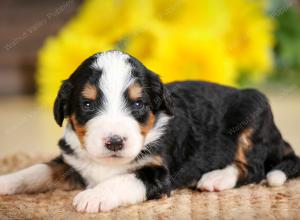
[{"x": 87, "y": 105}]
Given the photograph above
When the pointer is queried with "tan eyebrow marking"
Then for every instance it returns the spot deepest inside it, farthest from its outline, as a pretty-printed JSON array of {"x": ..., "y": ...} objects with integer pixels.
[
  {"x": 89, "y": 91},
  {"x": 135, "y": 91}
]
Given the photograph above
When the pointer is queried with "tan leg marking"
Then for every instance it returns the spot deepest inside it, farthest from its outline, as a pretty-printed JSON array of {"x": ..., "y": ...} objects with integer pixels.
[{"x": 244, "y": 144}]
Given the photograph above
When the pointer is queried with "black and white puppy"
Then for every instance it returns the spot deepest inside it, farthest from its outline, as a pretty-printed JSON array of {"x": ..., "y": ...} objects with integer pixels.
[{"x": 129, "y": 138}]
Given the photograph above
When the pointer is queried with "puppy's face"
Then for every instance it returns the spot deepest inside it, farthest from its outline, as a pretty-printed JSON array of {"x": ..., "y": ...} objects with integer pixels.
[{"x": 114, "y": 105}]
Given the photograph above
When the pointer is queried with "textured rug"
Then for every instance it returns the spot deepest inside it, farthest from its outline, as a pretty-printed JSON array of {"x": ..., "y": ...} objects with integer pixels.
[{"x": 248, "y": 202}]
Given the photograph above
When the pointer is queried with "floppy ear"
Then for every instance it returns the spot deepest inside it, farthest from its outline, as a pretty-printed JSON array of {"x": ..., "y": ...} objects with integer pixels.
[
  {"x": 161, "y": 97},
  {"x": 61, "y": 107},
  {"x": 167, "y": 103}
]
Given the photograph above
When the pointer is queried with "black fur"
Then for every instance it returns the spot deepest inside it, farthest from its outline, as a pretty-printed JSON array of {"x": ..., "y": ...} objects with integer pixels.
[
  {"x": 158, "y": 97},
  {"x": 208, "y": 119},
  {"x": 65, "y": 147},
  {"x": 61, "y": 105},
  {"x": 156, "y": 180},
  {"x": 69, "y": 99}
]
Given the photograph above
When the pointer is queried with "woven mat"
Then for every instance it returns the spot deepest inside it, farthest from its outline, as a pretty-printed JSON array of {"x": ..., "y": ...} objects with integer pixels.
[{"x": 248, "y": 202}]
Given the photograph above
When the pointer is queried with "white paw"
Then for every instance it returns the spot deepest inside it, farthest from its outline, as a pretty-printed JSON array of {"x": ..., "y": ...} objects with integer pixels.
[
  {"x": 276, "y": 178},
  {"x": 120, "y": 190},
  {"x": 218, "y": 180},
  {"x": 8, "y": 184},
  {"x": 95, "y": 200}
]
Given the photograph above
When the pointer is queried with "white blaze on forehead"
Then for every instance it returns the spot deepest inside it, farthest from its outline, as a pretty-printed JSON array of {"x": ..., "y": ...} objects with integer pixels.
[{"x": 115, "y": 79}]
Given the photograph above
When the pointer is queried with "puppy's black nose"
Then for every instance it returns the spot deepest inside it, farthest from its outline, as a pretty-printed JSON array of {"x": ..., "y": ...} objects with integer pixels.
[{"x": 114, "y": 143}]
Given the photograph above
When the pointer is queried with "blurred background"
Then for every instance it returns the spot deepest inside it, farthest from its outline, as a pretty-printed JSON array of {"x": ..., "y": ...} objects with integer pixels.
[{"x": 242, "y": 43}]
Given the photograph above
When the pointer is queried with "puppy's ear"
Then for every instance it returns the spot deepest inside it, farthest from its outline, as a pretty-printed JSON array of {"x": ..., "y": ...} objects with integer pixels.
[
  {"x": 167, "y": 103},
  {"x": 160, "y": 96},
  {"x": 61, "y": 107}
]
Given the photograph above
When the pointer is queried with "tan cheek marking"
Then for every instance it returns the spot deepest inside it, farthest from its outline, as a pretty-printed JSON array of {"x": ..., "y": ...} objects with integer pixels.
[
  {"x": 90, "y": 92},
  {"x": 244, "y": 144},
  {"x": 135, "y": 91},
  {"x": 145, "y": 128},
  {"x": 80, "y": 130}
]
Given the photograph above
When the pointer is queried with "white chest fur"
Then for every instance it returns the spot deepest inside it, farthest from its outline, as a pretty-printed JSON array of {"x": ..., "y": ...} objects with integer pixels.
[{"x": 92, "y": 172}]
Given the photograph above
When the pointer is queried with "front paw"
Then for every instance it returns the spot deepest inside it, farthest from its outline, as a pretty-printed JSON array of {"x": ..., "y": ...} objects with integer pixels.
[{"x": 95, "y": 200}]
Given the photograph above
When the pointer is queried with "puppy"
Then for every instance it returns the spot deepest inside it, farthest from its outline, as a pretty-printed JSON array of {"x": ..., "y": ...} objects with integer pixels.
[{"x": 129, "y": 138}]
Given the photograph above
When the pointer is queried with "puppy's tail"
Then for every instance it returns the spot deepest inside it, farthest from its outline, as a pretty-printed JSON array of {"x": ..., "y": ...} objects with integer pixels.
[{"x": 287, "y": 167}]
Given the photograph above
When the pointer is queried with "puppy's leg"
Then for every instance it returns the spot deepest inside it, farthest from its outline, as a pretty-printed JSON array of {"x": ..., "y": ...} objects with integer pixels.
[
  {"x": 284, "y": 165},
  {"x": 247, "y": 123},
  {"x": 218, "y": 180},
  {"x": 34, "y": 178},
  {"x": 146, "y": 183},
  {"x": 247, "y": 167},
  {"x": 40, "y": 178}
]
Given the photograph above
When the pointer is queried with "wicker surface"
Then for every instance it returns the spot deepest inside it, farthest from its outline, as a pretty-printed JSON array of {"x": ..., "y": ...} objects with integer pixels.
[{"x": 249, "y": 202}]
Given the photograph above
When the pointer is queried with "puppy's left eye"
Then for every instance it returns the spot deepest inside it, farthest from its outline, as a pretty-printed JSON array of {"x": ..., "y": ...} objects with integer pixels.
[{"x": 138, "y": 105}]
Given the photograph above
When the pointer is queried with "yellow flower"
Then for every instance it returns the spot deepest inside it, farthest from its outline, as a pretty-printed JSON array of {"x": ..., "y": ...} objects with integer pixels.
[
  {"x": 190, "y": 56},
  {"x": 198, "y": 39},
  {"x": 248, "y": 39}
]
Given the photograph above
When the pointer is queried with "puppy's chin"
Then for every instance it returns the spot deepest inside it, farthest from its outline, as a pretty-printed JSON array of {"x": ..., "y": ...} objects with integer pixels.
[
  {"x": 113, "y": 160},
  {"x": 109, "y": 158}
]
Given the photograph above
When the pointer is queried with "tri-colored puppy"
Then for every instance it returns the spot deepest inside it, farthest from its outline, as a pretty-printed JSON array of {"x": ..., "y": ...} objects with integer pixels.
[{"x": 130, "y": 138}]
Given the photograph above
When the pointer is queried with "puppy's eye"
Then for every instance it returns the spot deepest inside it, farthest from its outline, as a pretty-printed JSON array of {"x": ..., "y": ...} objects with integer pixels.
[
  {"x": 87, "y": 105},
  {"x": 138, "y": 105}
]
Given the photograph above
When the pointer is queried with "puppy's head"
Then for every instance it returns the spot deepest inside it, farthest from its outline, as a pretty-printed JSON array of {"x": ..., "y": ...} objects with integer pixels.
[{"x": 114, "y": 105}]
